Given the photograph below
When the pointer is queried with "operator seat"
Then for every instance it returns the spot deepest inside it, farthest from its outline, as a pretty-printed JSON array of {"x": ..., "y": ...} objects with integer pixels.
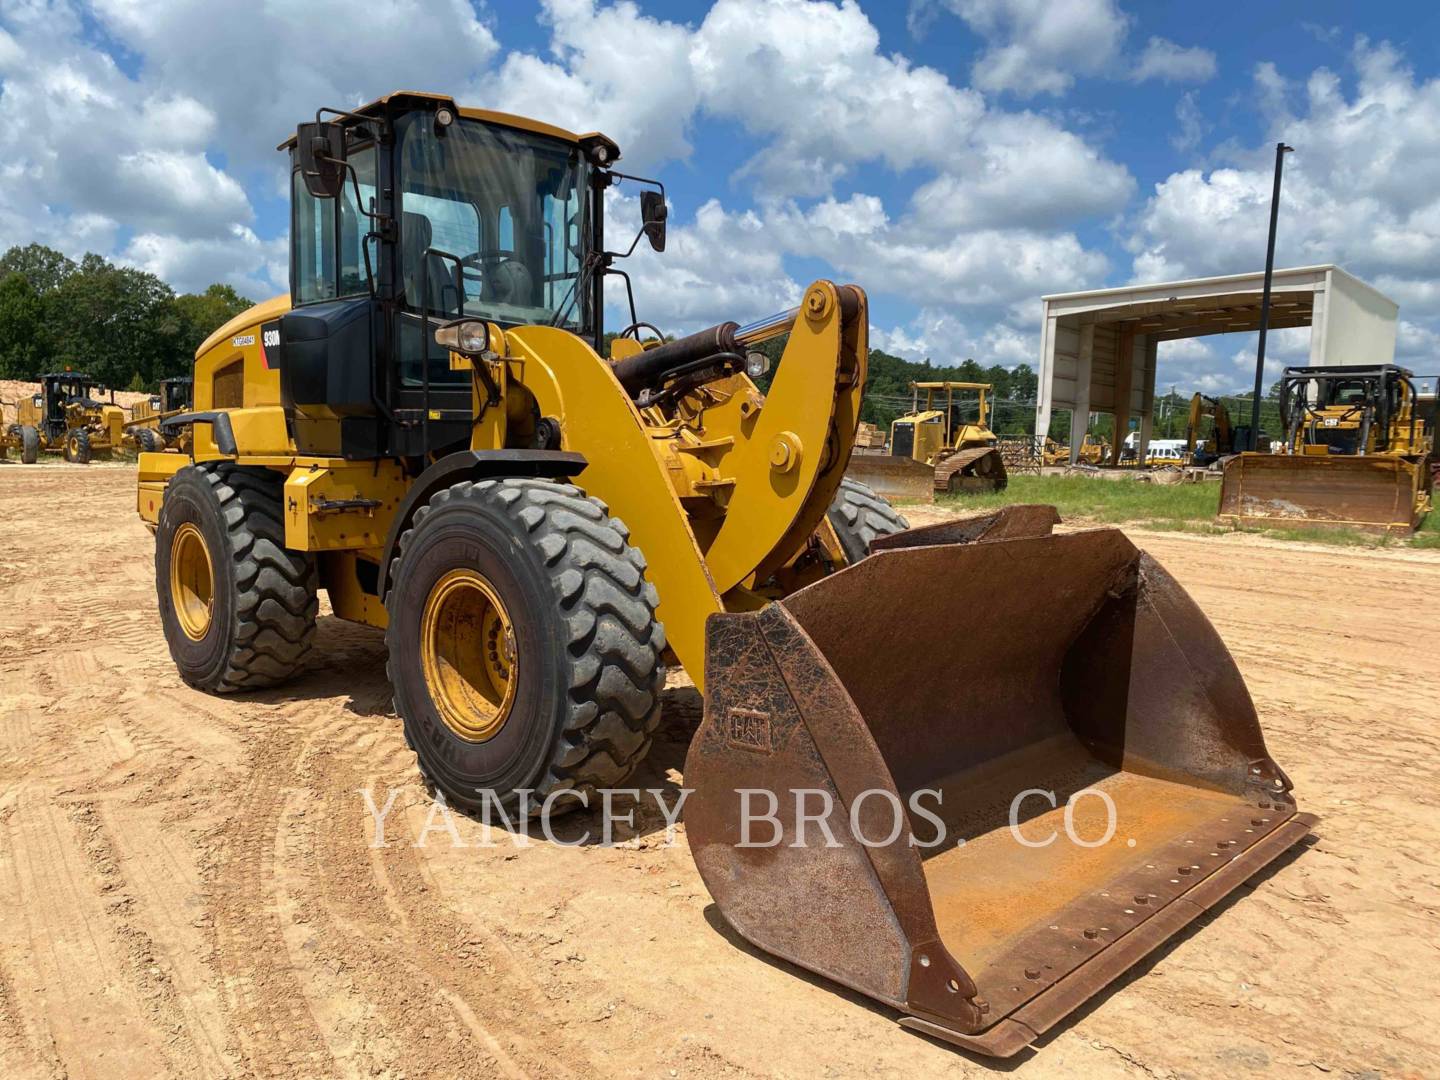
[{"x": 415, "y": 237}]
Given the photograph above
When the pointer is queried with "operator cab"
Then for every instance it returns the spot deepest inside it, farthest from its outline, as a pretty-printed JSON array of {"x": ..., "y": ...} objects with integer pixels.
[
  {"x": 411, "y": 213},
  {"x": 58, "y": 390}
]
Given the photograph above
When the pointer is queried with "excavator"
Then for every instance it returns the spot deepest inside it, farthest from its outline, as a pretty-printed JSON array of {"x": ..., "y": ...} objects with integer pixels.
[
  {"x": 1356, "y": 451},
  {"x": 1221, "y": 441},
  {"x": 431, "y": 428}
]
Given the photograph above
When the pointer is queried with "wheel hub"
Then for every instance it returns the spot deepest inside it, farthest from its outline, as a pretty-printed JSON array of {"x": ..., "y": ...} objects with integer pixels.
[
  {"x": 192, "y": 581},
  {"x": 467, "y": 653}
]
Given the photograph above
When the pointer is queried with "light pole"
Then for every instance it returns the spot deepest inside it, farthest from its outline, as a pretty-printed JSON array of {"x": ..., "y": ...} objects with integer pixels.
[{"x": 1280, "y": 151}]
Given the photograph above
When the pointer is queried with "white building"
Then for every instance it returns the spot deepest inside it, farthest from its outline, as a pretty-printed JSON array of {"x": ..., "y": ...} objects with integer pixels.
[{"x": 1097, "y": 348}]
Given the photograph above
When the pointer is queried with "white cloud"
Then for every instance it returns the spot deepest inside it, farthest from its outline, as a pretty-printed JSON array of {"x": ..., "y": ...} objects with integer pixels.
[
  {"x": 255, "y": 267},
  {"x": 596, "y": 81},
  {"x": 1027, "y": 173},
  {"x": 939, "y": 336},
  {"x": 1038, "y": 47},
  {"x": 92, "y": 154},
  {"x": 722, "y": 265},
  {"x": 1168, "y": 62},
  {"x": 1362, "y": 188},
  {"x": 1190, "y": 123}
]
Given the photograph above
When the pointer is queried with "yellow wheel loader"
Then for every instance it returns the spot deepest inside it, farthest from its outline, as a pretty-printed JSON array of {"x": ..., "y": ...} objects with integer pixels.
[
  {"x": 1355, "y": 452},
  {"x": 147, "y": 429},
  {"x": 65, "y": 418},
  {"x": 427, "y": 429},
  {"x": 934, "y": 443}
]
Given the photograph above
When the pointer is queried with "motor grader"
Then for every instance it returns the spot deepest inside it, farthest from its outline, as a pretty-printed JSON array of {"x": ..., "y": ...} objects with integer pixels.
[
  {"x": 65, "y": 418},
  {"x": 149, "y": 426},
  {"x": 1355, "y": 452},
  {"x": 428, "y": 428},
  {"x": 15, "y": 437}
]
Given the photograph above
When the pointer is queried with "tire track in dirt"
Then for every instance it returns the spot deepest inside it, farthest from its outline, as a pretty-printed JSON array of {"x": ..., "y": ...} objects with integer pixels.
[
  {"x": 172, "y": 986},
  {"x": 77, "y": 990},
  {"x": 417, "y": 1013},
  {"x": 272, "y": 1026}
]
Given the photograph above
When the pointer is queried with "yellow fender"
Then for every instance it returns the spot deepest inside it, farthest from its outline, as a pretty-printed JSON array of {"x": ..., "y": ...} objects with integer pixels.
[{"x": 597, "y": 419}]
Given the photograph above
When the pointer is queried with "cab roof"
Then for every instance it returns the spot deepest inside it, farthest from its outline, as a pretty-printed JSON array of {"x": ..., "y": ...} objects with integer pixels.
[{"x": 523, "y": 123}]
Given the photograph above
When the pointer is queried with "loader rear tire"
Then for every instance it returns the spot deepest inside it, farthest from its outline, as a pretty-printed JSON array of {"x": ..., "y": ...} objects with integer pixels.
[
  {"x": 578, "y": 696},
  {"x": 238, "y": 608},
  {"x": 29, "y": 445},
  {"x": 859, "y": 516},
  {"x": 77, "y": 446}
]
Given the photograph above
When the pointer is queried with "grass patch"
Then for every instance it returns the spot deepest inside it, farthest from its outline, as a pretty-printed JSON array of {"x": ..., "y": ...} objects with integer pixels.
[
  {"x": 1428, "y": 535},
  {"x": 1110, "y": 502},
  {"x": 1166, "y": 508}
]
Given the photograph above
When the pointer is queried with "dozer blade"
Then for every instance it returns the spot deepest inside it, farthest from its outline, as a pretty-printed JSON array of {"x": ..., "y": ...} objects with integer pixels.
[
  {"x": 1375, "y": 492},
  {"x": 896, "y": 478},
  {"x": 976, "y": 468},
  {"x": 1093, "y": 693}
]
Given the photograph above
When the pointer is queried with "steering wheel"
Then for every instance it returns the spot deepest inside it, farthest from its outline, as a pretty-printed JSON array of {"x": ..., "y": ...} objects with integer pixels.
[{"x": 479, "y": 258}]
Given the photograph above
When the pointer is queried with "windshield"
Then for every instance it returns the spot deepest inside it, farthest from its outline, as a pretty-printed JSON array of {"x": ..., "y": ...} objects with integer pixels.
[{"x": 494, "y": 222}]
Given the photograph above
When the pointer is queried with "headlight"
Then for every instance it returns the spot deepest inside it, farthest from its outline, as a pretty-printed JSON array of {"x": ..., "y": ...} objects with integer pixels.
[
  {"x": 756, "y": 364},
  {"x": 468, "y": 336}
]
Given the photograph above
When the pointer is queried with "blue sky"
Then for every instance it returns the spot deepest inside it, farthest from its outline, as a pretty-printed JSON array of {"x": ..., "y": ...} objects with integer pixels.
[{"x": 958, "y": 158}]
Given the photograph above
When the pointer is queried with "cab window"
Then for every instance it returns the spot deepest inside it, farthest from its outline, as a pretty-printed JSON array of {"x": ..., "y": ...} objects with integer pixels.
[{"x": 332, "y": 236}]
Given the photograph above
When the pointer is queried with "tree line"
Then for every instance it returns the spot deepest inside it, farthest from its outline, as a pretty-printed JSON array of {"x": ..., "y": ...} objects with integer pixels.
[{"x": 124, "y": 326}]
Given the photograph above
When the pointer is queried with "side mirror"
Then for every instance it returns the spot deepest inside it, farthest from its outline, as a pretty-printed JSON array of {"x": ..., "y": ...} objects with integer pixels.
[
  {"x": 652, "y": 214},
  {"x": 321, "y": 149}
]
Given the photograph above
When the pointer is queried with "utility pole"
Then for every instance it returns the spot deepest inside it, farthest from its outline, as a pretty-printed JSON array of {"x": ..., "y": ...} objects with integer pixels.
[{"x": 1280, "y": 151}]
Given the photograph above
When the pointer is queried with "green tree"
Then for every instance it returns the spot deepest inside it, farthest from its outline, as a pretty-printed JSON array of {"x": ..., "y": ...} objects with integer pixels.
[
  {"x": 201, "y": 314},
  {"x": 44, "y": 267},
  {"x": 23, "y": 350},
  {"x": 115, "y": 322}
]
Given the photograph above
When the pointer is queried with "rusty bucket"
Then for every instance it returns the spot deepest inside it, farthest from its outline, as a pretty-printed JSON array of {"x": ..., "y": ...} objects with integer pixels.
[
  {"x": 1374, "y": 492},
  {"x": 1005, "y": 765}
]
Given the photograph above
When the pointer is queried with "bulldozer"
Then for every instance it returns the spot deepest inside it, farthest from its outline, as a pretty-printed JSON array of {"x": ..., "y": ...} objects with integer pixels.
[
  {"x": 1355, "y": 452},
  {"x": 1093, "y": 451},
  {"x": 429, "y": 428},
  {"x": 148, "y": 427},
  {"x": 934, "y": 443},
  {"x": 65, "y": 418},
  {"x": 1221, "y": 441}
]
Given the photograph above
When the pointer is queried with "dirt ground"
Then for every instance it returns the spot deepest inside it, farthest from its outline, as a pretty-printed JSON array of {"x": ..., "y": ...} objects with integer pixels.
[{"x": 187, "y": 885}]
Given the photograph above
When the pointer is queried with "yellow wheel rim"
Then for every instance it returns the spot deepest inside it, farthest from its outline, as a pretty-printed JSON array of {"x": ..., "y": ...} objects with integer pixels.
[
  {"x": 192, "y": 581},
  {"x": 467, "y": 653}
]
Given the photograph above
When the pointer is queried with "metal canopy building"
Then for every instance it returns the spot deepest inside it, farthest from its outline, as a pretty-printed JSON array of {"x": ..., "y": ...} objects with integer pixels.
[{"x": 1097, "y": 348}]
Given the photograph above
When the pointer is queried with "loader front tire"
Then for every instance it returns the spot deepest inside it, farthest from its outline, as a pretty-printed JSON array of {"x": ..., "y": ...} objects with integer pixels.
[
  {"x": 524, "y": 649},
  {"x": 237, "y": 607},
  {"x": 859, "y": 516},
  {"x": 29, "y": 445}
]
